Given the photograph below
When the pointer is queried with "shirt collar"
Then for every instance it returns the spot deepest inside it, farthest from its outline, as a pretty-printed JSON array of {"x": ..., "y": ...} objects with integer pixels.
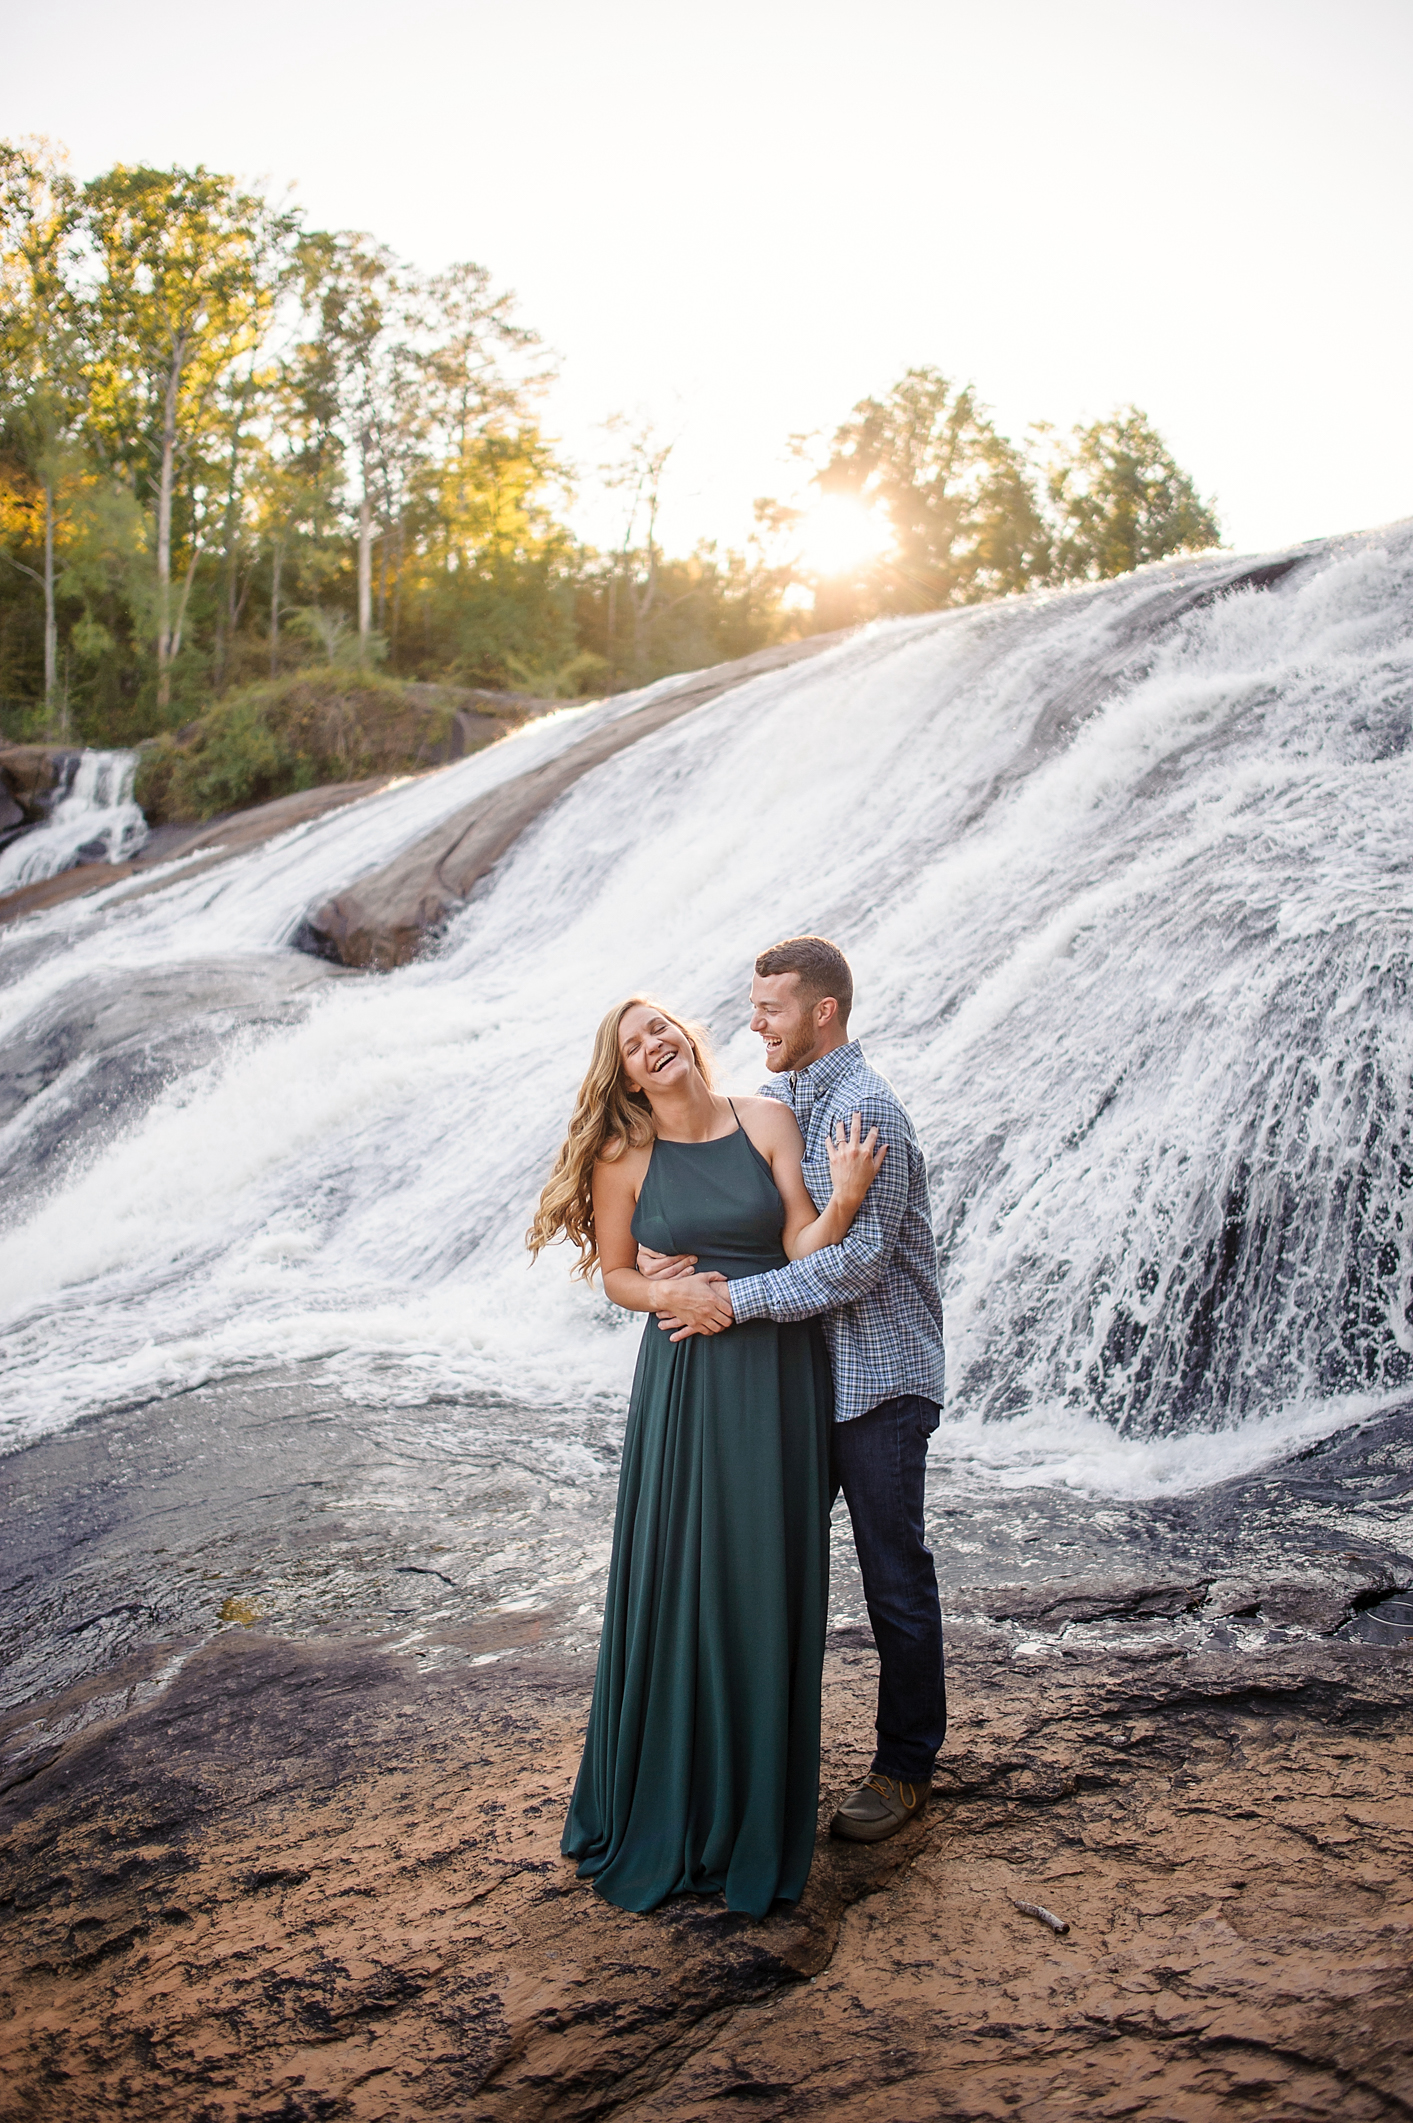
[{"x": 829, "y": 1070}]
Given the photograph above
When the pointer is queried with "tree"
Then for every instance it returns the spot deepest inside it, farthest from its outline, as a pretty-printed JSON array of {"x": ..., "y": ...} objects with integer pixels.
[
  {"x": 187, "y": 271},
  {"x": 480, "y": 489},
  {"x": 641, "y": 614},
  {"x": 636, "y": 472},
  {"x": 1119, "y": 499},
  {"x": 358, "y": 364},
  {"x": 42, "y": 394},
  {"x": 964, "y": 519}
]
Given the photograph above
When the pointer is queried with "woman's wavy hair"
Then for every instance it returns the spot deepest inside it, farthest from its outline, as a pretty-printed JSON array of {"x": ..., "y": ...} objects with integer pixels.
[{"x": 609, "y": 1117}]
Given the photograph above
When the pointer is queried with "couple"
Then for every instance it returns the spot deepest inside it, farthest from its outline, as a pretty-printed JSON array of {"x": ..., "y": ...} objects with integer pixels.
[{"x": 701, "y": 1764}]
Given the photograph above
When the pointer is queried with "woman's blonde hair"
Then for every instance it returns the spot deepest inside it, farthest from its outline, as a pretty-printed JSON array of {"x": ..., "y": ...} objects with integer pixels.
[{"x": 609, "y": 1117}]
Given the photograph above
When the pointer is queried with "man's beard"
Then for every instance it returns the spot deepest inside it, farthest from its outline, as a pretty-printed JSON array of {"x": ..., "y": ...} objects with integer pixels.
[{"x": 797, "y": 1048}]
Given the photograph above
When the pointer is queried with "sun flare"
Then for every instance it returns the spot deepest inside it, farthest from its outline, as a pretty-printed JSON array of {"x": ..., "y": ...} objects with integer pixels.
[{"x": 839, "y": 533}]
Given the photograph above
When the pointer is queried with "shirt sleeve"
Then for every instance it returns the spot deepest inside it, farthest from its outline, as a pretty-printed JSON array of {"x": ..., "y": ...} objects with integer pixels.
[
  {"x": 836, "y": 1275},
  {"x": 774, "y": 1087}
]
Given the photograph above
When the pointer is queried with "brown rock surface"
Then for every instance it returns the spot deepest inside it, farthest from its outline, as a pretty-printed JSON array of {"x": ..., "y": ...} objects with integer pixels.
[
  {"x": 296, "y": 1691},
  {"x": 29, "y": 772},
  {"x": 384, "y": 919},
  {"x": 312, "y": 1882}
]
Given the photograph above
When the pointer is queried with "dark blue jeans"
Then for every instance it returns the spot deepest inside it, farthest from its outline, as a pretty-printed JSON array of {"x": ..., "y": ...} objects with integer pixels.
[{"x": 879, "y": 1460}]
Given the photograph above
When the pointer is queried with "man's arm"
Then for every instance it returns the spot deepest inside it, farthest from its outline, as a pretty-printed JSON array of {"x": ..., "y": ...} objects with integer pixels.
[{"x": 823, "y": 1281}]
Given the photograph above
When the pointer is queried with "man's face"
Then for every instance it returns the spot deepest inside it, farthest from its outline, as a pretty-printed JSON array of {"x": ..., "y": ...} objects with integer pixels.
[{"x": 788, "y": 1025}]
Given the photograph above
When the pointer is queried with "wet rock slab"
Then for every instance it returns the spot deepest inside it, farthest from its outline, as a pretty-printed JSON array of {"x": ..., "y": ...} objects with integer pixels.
[
  {"x": 288, "y": 1748},
  {"x": 305, "y": 1882}
]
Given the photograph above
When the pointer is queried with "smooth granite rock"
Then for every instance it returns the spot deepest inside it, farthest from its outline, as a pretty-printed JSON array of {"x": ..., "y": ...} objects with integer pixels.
[
  {"x": 385, "y": 919},
  {"x": 308, "y": 1882},
  {"x": 286, "y": 1754}
]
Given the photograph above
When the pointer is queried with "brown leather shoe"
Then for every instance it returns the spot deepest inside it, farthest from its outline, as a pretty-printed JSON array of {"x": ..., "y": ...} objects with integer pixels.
[{"x": 878, "y": 1809}]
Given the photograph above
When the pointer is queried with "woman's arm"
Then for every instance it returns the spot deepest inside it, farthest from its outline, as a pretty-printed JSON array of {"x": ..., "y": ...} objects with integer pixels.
[
  {"x": 853, "y": 1167},
  {"x": 692, "y": 1299}
]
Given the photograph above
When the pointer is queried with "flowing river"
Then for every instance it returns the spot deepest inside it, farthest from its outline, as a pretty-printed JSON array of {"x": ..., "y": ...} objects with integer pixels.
[{"x": 1126, "y": 877}]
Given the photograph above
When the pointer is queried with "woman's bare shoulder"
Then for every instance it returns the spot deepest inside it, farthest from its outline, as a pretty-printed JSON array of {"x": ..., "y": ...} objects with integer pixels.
[
  {"x": 753, "y": 1102},
  {"x": 624, "y": 1162},
  {"x": 767, "y": 1117}
]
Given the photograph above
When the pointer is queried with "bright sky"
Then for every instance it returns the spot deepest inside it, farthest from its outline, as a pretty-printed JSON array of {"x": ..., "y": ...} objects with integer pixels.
[{"x": 740, "y": 219}]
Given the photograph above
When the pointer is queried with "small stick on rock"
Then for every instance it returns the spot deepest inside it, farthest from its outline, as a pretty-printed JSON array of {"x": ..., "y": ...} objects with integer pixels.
[{"x": 1046, "y": 1916}]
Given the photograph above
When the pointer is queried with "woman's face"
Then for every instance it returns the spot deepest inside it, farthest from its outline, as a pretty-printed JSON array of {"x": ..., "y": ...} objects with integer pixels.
[{"x": 657, "y": 1054}]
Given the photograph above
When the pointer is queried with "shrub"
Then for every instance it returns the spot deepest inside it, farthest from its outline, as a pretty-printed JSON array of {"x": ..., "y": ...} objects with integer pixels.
[{"x": 296, "y": 733}]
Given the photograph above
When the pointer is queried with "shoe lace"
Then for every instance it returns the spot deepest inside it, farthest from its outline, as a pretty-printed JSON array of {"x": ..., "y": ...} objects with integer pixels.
[{"x": 885, "y": 1787}]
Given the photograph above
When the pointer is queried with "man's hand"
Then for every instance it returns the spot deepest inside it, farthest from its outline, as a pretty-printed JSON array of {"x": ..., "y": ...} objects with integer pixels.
[
  {"x": 701, "y": 1304},
  {"x": 660, "y": 1266}
]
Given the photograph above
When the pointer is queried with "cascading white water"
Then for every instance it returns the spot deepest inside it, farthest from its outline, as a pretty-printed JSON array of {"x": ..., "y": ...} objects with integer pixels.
[
  {"x": 94, "y": 820},
  {"x": 1126, "y": 879}
]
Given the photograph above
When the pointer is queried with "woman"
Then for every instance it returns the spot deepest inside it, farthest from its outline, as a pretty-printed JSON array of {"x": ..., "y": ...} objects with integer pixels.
[{"x": 701, "y": 1763}]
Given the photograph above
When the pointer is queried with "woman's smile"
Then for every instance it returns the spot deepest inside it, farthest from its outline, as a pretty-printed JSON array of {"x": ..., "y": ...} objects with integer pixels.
[{"x": 653, "y": 1048}]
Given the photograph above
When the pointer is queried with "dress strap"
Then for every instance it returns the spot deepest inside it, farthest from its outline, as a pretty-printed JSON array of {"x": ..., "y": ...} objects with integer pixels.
[{"x": 763, "y": 1162}]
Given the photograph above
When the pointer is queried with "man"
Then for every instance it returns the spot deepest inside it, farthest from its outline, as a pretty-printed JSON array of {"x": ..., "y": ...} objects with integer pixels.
[{"x": 881, "y": 1308}]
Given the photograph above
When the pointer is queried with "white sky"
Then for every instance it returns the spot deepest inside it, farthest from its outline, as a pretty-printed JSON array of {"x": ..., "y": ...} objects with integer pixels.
[{"x": 742, "y": 218}]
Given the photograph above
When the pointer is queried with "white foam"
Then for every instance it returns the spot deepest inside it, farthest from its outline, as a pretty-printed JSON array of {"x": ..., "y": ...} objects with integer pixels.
[
  {"x": 1142, "y": 983},
  {"x": 95, "y": 817},
  {"x": 1055, "y": 1448}
]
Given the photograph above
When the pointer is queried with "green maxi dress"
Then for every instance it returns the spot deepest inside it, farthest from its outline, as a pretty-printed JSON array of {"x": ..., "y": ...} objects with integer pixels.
[{"x": 701, "y": 1763}]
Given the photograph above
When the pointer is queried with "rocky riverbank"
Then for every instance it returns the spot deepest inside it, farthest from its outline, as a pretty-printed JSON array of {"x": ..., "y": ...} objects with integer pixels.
[
  {"x": 295, "y": 1709},
  {"x": 313, "y": 1884},
  {"x": 31, "y": 781}
]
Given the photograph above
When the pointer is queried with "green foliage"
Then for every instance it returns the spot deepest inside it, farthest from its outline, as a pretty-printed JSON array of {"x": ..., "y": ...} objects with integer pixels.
[
  {"x": 644, "y": 616},
  {"x": 1119, "y": 500},
  {"x": 969, "y": 515},
  {"x": 234, "y": 756},
  {"x": 580, "y": 677},
  {"x": 964, "y": 519},
  {"x": 321, "y": 725},
  {"x": 261, "y": 422},
  {"x": 333, "y": 641},
  {"x": 243, "y": 462}
]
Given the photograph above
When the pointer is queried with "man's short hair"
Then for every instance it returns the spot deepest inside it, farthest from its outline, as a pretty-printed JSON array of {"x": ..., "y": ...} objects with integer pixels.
[{"x": 821, "y": 965}]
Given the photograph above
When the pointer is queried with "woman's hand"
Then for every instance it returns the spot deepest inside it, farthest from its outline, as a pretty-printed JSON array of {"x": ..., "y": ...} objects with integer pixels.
[{"x": 853, "y": 1164}]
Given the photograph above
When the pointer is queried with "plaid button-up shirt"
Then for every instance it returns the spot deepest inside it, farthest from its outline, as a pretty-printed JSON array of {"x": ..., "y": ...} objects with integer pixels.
[{"x": 877, "y": 1290}]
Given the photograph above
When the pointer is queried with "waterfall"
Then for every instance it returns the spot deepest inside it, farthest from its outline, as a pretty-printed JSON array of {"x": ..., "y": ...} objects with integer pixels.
[
  {"x": 1126, "y": 877},
  {"x": 93, "y": 820}
]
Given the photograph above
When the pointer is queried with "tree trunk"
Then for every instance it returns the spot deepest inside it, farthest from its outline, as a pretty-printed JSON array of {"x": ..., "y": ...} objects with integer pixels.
[
  {"x": 275, "y": 613},
  {"x": 226, "y": 623},
  {"x": 164, "y": 526},
  {"x": 186, "y": 593},
  {"x": 226, "y": 630},
  {"x": 51, "y": 634},
  {"x": 365, "y": 550}
]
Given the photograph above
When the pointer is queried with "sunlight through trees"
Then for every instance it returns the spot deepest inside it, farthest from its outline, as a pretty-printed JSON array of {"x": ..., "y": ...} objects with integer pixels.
[{"x": 233, "y": 448}]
